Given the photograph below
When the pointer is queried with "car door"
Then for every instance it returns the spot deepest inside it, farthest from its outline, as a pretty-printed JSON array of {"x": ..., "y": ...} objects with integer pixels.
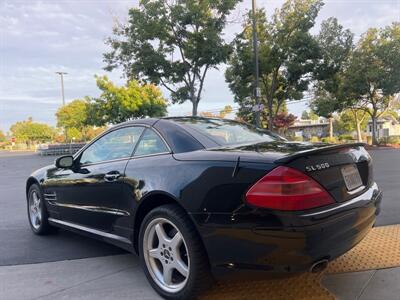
[
  {"x": 143, "y": 174},
  {"x": 87, "y": 194}
]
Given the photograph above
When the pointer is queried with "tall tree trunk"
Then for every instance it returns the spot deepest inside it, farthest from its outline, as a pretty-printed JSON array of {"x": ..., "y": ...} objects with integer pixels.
[
  {"x": 358, "y": 125},
  {"x": 374, "y": 139},
  {"x": 194, "y": 108},
  {"x": 331, "y": 127},
  {"x": 271, "y": 100},
  {"x": 194, "y": 100},
  {"x": 270, "y": 114}
]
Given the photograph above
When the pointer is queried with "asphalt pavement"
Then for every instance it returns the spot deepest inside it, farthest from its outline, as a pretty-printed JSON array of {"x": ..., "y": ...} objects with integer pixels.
[
  {"x": 386, "y": 164},
  {"x": 69, "y": 266},
  {"x": 19, "y": 246}
]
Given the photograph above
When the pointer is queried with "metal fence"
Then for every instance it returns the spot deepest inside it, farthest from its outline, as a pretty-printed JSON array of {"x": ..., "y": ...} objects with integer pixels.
[{"x": 59, "y": 149}]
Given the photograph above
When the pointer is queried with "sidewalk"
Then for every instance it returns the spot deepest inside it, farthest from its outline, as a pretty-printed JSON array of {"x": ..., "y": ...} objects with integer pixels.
[
  {"x": 367, "y": 285},
  {"x": 120, "y": 277}
]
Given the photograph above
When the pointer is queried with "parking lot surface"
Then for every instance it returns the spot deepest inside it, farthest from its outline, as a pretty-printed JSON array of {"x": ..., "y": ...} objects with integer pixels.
[
  {"x": 40, "y": 267},
  {"x": 18, "y": 244}
]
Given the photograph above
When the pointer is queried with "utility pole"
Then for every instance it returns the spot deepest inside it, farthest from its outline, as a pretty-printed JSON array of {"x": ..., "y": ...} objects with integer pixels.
[
  {"x": 62, "y": 85},
  {"x": 63, "y": 99},
  {"x": 257, "y": 91}
]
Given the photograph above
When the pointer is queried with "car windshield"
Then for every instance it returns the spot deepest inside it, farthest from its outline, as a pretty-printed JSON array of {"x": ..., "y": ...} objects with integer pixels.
[{"x": 229, "y": 132}]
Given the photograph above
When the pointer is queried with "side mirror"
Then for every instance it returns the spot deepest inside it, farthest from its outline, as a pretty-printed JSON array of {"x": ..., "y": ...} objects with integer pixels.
[{"x": 65, "y": 162}]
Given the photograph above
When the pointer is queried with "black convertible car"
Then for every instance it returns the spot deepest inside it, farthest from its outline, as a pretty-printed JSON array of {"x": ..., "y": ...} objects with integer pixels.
[{"x": 198, "y": 196}]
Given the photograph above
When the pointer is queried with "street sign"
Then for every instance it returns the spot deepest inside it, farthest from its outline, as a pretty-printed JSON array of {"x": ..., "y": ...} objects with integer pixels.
[
  {"x": 258, "y": 107},
  {"x": 258, "y": 92}
]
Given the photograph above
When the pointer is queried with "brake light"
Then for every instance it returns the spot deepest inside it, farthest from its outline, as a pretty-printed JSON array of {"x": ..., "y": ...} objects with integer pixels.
[{"x": 287, "y": 189}]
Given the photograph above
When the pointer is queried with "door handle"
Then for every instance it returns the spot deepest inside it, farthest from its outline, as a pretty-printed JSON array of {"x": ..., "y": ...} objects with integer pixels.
[{"x": 112, "y": 176}]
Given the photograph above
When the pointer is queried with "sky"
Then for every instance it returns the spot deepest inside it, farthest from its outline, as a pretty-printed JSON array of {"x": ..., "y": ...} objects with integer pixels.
[{"x": 39, "y": 38}]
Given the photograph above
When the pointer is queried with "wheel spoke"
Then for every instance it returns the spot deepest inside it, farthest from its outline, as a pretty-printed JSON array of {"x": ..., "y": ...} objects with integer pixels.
[
  {"x": 181, "y": 267},
  {"x": 162, "y": 236},
  {"x": 167, "y": 274},
  {"x": 35, "y": 198},
  {"x": 155, "y": 253},
  {"x": 176, "y": 241},
  {"x": 37, "y": 220}
]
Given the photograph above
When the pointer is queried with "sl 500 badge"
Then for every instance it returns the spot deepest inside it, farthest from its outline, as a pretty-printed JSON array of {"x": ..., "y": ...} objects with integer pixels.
[{"x": 317, "y": 167}]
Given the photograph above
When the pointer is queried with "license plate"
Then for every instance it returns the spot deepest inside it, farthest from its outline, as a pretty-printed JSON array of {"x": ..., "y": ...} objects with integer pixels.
[{"x": 351, "y": 177}]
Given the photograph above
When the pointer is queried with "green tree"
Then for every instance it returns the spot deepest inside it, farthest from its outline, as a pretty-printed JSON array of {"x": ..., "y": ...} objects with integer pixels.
[
  {"x": 313, "y": 116},
  {"x": 309, "y": 115},
  {"x": 172, "y": 43},
  {"x": 117, "y": 104},
  {"x": 2, "y": 137},
  {"x": 74, "y": 134},
  {"x": 351, "y": 120},
  {"x": 73, "y": 115},
  {"x": 32, "y": 132},
  {"x": 305, "y": 115},
  {"x": 373, "y": 76},
  {"x": 335, "y": 46},
  {"x": 90, "y": 132},
  {"x": 287, "y": 55}
]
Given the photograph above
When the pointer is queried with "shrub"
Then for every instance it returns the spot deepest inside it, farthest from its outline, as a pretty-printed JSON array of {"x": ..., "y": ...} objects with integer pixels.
[
  {"x": 390, "y": 140},
  {"x": 394, "y": 140},
  {"x": 297, "y": 138},
  {"x": 345, "y": 137},
  {"x": 314, "y": 139},
  {"x": 332, "y": 140}
]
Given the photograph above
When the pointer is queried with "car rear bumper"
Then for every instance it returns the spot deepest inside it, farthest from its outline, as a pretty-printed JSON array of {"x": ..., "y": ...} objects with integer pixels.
[{"x": 282, "y": 242}]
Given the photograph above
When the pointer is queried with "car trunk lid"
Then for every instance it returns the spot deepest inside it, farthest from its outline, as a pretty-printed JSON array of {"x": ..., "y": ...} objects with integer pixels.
[
  {"x": 335, "y": 167},
  {"x": 345, "y": 171}
]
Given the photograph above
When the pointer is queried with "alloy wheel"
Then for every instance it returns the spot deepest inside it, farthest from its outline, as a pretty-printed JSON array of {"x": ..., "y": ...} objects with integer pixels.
[
  {"x": 35, "y": 210},
  {"x": 166, "y": 255}
]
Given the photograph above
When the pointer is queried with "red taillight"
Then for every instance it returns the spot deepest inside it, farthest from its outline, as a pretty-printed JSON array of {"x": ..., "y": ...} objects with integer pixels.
[{"x": 287, "y": 189}]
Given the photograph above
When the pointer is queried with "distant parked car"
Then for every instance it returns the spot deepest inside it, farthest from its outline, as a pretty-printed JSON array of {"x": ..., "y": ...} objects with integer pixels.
[{"x": 196, "y": 197}]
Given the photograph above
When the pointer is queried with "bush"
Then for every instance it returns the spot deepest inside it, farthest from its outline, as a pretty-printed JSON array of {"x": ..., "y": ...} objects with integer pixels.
[
  {"x": 314, "y": 139},
  {"x": 332, "y": 140},
  {"x": 345, "y": 137},
  {"x": 296, "y": 138},
  {"x": 390, "y": 140},
  {"x": 394, "y": 140}
]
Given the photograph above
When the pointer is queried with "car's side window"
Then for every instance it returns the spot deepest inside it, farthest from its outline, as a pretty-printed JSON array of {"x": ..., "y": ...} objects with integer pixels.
[
  {"x": 151, "y": 143},
  {"x": 114, "y": 145}
]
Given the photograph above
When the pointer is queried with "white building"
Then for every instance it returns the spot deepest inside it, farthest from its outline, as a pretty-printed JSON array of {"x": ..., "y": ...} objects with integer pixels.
[{"x": 385, "y": 126}]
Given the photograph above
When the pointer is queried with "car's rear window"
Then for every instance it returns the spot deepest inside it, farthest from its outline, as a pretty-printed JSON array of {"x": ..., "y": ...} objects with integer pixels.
[{"x": 228, "y": 132}]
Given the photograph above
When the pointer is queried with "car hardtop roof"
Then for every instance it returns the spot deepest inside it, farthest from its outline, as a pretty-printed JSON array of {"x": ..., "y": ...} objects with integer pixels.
[
  {"x": 195, "y": 118},
  {"x": 152, "y": 121},
  {"x": 144, "y": 121}
]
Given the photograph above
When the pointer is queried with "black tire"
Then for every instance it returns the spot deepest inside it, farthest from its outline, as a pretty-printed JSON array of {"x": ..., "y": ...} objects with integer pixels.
[
  {"x": 43, "y": 227},
  {"x": 199, "y": 277}
]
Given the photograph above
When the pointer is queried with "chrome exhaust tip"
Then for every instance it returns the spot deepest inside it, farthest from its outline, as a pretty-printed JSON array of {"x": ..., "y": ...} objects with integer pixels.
[{"x": 319, "y": 266}]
